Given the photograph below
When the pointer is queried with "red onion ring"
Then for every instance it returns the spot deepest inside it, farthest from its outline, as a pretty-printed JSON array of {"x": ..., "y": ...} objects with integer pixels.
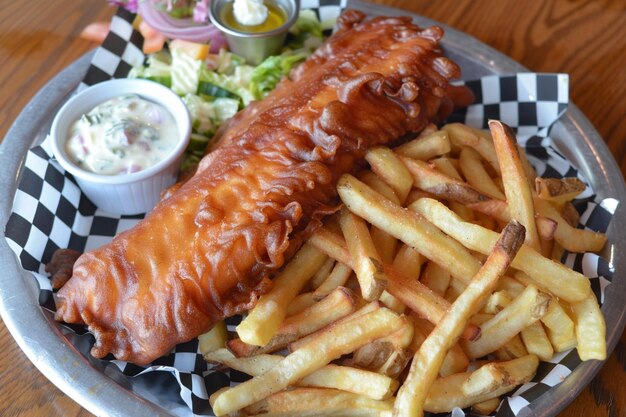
[{"x": 184, "y": 29}]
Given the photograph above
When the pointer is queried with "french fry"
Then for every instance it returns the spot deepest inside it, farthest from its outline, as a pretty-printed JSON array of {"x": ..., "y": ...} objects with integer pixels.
[
  {"x": 358, "y": 381},
  {"x": 455, "y": 361},
  {"x": 401, "y": 338},
  {"x": 416, "y": 296},
  {"x": 392, "y": 302},
  {"x": 485, "y": 408},
  {"x": 570, "y": 238},
  {"x": 513, "y": 348},
  {"x": 551, "y": 276},
  {"x": 461, "y": 135},
  {"x": 422, "y": 300},
  {"x": 436, "y": 278},
  {"x": 546, "y": 227},
  {"x": 427, "y": 147},
  {"x": 416, "y": 194},
  {"x": 476, "y": 174},
  {"x": 590, "y": 329},
  {"x": 372, "y": 355},
  {"x": 429, "y": 179},
  {"x": 388, "y": 355},
  {"x": 510, "y": 285},
  {"x": 430, "y": 128},
  {"x": 396, "y": 363},
  {"x": 255, "y": 365},
  {"x": 321, "y": 275},
  {"x": 338, "y": 339},
  {"x": 462, "y": 211},
  {"x": 490, "y": 377},
  {"x": 428, "y": 359},
  {"x": 485, "y": 221},
  {"x": 559, "y": 327},
  {"x": 516, "y": 186},
  {"x": 484, "y": 133},
  {"x": 365, "y": 259},
  {"x": 494, "y": 208},
  {"x": 314, "y": 402},
  {"x": 480, "y": 318},
  {"x": 529, "y": 170},
  {"x": 570, "y": 214},
  {"x": 447, "y": 393},
  {"x": 447, "y": 166},
  {"x": 377, "y": 184},
  {"x": 331, "y": 244},
  {"x": 265, "y": 318},
  {"x": 300, "y": 303},
  {"x": 339, "y": 303},
  {"x": 337, "y": 278},
  {"x": 213, "y": 339},
  {"x": 557, "y": 252},
  {"x": 373, "y": 385},
  {"x": 547, "y": 245},
  {"x": 526, "y": 309},
  {"x": 408, "y": 262},
  {"x": 496, "y": 302},
  {"x": 384, "y": 243},
  {"x": 388, "y": 167},
  {"x": 536, "y": 341},
  {"x": 455, "y": 289},
  {"x": 408, "y": 227},
  {"x": 559, "y": 190},
  {"x": 367, "y": 308}
]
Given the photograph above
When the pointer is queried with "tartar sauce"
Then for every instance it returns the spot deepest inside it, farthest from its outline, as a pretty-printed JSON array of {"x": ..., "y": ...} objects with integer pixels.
[
  {"x": 123, "y": 135},
  {"x": 250, "y": 12}
]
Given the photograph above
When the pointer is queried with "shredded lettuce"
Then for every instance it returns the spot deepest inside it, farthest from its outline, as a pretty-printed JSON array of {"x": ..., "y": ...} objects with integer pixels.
[
  {"x": 185, "y": 72},
  {"x": 207, "y": 116},
  {"x": 227, "y": 62},
  {"x": 216, "y": 88},
  {"x": 158, "y": 69},
  {"x": 264, "y": 77},
  {"x": 238, "y": 83},
  {"x": 307, "y": 26}
]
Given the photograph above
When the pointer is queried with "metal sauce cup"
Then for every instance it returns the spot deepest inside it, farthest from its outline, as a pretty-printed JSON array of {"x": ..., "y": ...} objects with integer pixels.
[{"x": 255, "y": 47}]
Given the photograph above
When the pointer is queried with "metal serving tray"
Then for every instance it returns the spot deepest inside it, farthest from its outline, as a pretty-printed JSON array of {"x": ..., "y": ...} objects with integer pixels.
[{"x": 81, "y": 378}]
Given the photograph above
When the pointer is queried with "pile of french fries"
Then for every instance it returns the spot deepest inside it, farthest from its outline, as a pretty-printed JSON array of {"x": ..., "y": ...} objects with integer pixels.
[{"x": 437, "y": 285}]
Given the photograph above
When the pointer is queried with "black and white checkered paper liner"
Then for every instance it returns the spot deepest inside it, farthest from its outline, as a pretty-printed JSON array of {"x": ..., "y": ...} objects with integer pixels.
[{"x": 50, "y": 212}]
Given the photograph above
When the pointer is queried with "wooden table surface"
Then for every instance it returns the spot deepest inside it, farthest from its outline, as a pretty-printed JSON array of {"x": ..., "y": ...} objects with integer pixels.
[{"x": 585, "y": 39}]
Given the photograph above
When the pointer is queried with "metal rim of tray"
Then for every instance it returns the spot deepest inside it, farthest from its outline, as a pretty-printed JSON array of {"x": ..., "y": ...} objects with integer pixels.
[{"x": 45, "y": 346}]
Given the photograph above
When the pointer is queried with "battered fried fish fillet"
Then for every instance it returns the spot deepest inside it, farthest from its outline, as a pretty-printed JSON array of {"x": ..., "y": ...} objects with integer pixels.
[{"x": 206, "y": 250}]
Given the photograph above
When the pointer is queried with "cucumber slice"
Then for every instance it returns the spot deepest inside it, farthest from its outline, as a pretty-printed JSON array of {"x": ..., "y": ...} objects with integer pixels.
[
  {"x": 209, "y": 89},
  {"x": 197, "y": 142},
  {"x": 159, "y": 75},
  {"x": 165, "y": 80}
]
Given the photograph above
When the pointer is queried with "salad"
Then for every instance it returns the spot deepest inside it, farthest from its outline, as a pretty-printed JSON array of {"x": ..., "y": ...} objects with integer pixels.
[{"x": 214, "y": 83}]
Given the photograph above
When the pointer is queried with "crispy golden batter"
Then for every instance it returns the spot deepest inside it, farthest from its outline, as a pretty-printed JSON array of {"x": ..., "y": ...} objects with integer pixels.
[{"x": 206, "y": 250}]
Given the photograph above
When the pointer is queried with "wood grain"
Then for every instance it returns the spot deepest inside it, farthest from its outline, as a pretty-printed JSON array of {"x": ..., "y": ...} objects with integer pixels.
[{"x": 585, "y": 39}]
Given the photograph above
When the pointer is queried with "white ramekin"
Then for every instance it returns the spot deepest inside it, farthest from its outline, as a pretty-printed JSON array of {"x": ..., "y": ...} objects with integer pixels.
[{"x": 124, "y": 193}]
